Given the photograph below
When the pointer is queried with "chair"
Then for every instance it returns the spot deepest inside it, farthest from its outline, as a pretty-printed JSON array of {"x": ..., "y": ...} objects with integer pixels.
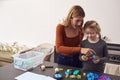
[{"x": 55, "y": 55}]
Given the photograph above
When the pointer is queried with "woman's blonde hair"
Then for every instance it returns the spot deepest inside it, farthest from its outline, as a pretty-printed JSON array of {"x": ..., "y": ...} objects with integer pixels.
[
  {"x": 75, "y": 11},
  {"x": 93, "y": 25}
]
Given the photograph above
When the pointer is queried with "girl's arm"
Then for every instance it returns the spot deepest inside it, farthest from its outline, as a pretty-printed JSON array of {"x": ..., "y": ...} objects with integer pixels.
[{"x": 105, "y": 54}]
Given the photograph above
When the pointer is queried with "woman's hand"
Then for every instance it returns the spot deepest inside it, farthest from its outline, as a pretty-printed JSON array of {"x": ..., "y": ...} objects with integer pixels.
[{"x": 87, "y": 51}]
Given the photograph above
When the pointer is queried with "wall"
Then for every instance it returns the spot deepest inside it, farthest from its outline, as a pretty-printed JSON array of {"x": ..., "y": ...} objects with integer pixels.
[{"x": 33, "y": 22}]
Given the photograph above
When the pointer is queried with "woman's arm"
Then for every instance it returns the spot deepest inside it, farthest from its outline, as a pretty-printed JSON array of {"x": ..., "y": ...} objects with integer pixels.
[{"x": 60, "y": 47}]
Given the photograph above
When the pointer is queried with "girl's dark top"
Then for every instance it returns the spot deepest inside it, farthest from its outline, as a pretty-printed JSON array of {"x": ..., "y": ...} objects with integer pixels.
[{"x": 101, "y": 50}]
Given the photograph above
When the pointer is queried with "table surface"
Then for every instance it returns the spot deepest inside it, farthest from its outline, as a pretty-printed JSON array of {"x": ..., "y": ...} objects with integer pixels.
[{"x": 8, "y": 72}]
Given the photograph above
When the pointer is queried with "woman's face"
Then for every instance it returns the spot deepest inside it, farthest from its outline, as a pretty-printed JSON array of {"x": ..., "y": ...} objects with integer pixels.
[
  {"x": 76, "y": 22},
  {"x": 90, "y": 33}
]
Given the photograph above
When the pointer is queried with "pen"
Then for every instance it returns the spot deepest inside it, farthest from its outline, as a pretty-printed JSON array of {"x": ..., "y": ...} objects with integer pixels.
[{"x": 48, "y": 66}]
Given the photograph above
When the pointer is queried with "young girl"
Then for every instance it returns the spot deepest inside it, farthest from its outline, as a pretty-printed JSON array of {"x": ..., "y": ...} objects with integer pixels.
[{"x": 94, "y": 41}]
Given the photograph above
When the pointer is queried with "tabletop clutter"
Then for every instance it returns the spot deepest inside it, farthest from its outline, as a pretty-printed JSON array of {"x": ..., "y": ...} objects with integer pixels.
[
  {"x": 32, "y": 59},
  {"x": 71, "y": 74},
  {"x": 74, "y": 74}
]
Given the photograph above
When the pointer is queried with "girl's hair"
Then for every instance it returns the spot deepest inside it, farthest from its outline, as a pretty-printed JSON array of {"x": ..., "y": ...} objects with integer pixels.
[
  {"x": 93, "y": 25},
  {"x": 75, "y": 11}
]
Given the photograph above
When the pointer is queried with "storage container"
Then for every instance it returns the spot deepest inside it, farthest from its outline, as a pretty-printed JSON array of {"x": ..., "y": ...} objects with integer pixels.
[{"x": 28, "y": 60}]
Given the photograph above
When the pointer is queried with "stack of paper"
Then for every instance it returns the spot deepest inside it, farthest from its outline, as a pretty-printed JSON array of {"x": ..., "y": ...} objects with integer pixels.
[{"x": 33, "y": 76}]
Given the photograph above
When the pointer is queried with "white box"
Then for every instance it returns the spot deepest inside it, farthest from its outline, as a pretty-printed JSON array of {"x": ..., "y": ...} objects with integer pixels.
[{"x": 28, "y": 60}]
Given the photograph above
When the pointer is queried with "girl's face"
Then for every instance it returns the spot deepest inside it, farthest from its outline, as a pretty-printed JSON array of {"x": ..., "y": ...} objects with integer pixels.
[
  {"x": 90, "y": 33},
  {"x": 76, "y": 22}
]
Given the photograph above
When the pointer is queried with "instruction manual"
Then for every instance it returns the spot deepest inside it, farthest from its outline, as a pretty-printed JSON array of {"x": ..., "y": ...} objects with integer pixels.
[{"x": 33, "y": 76}]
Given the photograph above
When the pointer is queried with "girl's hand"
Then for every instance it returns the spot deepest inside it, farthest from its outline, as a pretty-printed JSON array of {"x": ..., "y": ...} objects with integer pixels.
[
  {"x": 87, "y": 51},
  {"x": 96, "y": 61}
]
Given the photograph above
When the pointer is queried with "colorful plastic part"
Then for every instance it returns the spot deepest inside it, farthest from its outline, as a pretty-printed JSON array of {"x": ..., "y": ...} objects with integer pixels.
[
  {"x": 68, "y": 72},
  {"x": 94, "y": 57},
  {"x": 84, "y": 74},
  {"x": 92, "y": 76},
  {"x": 57, "y": 70},
  {"x": 66, "y": 76},
  {"x": 84, "y": 57},
  {"x": 72, "y": 76},
  {"x": 76, "y": 72},
  {"x": 78, "y": 77},
  {"x": 104, "y": 77},
  {"x": 96, "y": 75},
  {"x": 58, "y": 76},
  {"x": 91, "y": 58}
]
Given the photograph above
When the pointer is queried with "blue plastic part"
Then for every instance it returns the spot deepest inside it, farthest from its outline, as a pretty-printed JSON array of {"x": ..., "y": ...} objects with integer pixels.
[
  {"x": 90, "y": 76},
  {"x": 94, "y": 57},
  {"x": 58, "y": 76},
  {"x": 96, "y": 75},
  {"x": 68, "y": 72}
]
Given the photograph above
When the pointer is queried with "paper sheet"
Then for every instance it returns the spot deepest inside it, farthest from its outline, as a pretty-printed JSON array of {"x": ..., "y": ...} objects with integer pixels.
[{"x": 33, "y": 76}]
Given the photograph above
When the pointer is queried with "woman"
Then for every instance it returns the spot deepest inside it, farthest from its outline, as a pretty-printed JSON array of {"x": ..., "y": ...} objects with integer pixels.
[{"x": 68, "y": 37}]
